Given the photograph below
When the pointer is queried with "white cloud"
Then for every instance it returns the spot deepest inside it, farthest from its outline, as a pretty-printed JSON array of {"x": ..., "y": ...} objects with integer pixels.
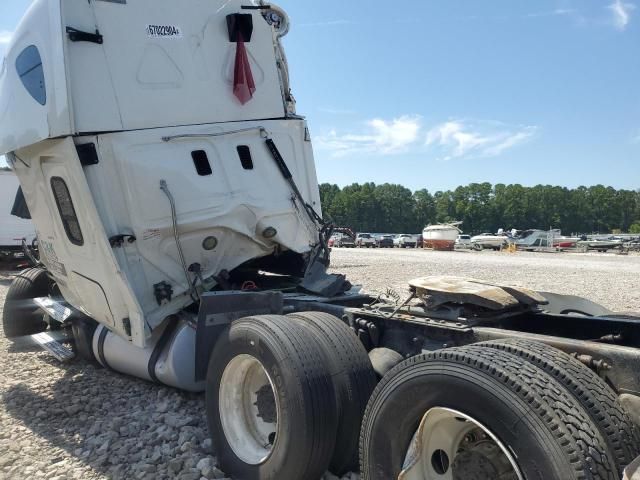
[
  {"x": 463, "y": 139},
  {"x": 621, "y": 12},
  {"x": 380, "y": 136},
  {"x": 453, "y": 139}
]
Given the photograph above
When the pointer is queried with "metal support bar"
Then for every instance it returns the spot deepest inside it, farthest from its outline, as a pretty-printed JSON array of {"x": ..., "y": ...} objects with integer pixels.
[
  {"x": 165, "y": 188},
  {"x": 263, "y": 134}
]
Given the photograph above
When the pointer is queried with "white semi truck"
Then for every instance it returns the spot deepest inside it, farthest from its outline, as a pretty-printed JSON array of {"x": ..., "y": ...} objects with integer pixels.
[{"x": 181, "y": 240}]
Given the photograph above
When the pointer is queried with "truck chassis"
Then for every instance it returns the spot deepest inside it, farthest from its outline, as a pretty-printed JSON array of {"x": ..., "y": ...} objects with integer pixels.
[{"x": 392, "y": 332}]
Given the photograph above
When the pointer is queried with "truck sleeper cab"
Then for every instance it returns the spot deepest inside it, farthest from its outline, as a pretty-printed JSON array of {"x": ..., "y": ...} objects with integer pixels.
[{"x": 147, "y": 171}]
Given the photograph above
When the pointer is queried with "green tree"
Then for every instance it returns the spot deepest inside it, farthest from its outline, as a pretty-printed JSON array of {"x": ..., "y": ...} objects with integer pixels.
[
  {"x": 482, "y": 207},
  {"x": 424, "y": 210}
]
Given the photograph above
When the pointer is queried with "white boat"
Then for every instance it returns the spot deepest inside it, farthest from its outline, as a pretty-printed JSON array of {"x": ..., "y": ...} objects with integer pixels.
[
  {"x": 489, "y": 240},
  {"x": 534, "y": 238},
  {"x": 602, "y": 244},
  {"x": 441, "y": 236}
]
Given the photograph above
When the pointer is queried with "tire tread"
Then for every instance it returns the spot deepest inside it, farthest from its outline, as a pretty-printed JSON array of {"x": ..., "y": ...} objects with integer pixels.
[
  {"x": 294, "y": 345},
  {"x": 18, "y": 321},
  {"x": 354, "y": 381},
  {"x": 591, "y": 391},
  {"x": 573, "y": 432}
]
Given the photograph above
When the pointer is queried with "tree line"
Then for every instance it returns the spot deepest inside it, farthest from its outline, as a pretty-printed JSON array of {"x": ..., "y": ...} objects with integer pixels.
[{"x": 482, "y": 207}]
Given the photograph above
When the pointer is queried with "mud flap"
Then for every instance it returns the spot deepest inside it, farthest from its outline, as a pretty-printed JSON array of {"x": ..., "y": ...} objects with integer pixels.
[
  {"x": 318, "y": 281},
  {"x": 219, "y": 309}
]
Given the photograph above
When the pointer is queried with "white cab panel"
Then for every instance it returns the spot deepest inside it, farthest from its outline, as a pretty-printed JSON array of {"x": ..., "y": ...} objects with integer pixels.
[{"x": 133, "y": 79}]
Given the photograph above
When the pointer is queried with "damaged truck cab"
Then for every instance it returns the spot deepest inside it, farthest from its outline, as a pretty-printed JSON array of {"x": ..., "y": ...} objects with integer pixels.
[
  {"x": 147, "y": 160},
  {"x": 181, "y": 241}
]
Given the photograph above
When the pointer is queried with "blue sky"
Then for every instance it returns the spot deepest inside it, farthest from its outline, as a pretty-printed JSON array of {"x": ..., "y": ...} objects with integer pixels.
[{"x": 434, "y": 94}]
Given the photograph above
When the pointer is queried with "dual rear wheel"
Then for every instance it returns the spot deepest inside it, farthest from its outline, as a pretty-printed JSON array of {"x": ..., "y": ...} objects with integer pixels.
[
  {"x": 508, "y": 410},
  {"x": 285, "y": 397}
]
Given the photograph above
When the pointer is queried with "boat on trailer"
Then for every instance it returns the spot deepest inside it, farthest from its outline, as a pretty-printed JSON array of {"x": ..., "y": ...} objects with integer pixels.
[
  {"x": 489, "y": 241},
  {"x": 441, "y": 236}
]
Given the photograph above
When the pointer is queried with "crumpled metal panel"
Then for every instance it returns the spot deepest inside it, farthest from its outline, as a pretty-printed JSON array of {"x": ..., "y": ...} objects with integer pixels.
[{"x": 438, "y": 290}]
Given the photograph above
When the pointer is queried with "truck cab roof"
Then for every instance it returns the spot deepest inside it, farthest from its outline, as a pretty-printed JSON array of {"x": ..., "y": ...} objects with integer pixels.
[{"x": 77, "y": 67}]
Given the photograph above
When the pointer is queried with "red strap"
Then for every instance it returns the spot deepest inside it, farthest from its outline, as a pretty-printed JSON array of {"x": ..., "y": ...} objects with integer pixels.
[
  {"x": 243, "y": 84},
  {"x": 249, "y": 285}
]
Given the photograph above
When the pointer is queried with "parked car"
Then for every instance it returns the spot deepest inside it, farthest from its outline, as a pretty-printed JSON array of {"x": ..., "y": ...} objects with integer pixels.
[
  {"x": 342, "y": 237},
  {"x": 404, "y": 240},
  {"x": 365, "y": 240},
  {"x": 463, "y": 241},
  {"x": 344, "y": 241},
  {"x": 384, "y": 241}
]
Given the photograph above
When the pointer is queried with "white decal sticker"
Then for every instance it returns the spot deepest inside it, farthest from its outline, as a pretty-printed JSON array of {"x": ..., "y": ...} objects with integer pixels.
[
  {"x": 164, "y": 31},
  {"x": 150, "y": 233},
  {"x": 50, "y": 258}
]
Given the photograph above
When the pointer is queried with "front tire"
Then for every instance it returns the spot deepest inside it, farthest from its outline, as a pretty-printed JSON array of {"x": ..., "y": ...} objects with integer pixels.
[
  {"x": 270, "y": 401},
  {"x": 518, "y": 420},
  {"x": 20, "y": 316}
]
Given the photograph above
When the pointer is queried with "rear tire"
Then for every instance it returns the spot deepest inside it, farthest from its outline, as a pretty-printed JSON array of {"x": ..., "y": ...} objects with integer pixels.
[
  {"x": 270, "y": 401},
  {"x": 353, "y": 381},
  {"x": 536, "y": 423},
  {"x": 20, "y": 316},
  {"x": 591, "y": 391}
]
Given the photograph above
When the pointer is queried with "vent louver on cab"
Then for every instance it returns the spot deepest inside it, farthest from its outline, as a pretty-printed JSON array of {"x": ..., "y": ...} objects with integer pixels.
[
  {"x": 67, "y": 211},
  {"x": 201, "y": 162},
  {"x": 245, "y": 157}
]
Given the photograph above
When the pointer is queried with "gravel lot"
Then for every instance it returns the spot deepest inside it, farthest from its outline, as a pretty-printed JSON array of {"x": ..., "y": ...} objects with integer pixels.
[
  {"x": 75, "y": 421},
  {"x": 606, "y": 278}
]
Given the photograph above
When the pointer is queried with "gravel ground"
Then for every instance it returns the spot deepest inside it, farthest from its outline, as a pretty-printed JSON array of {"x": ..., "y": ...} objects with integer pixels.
[
  {"x": 606, "y": 278},
  {"x": 75, "y": 421}
]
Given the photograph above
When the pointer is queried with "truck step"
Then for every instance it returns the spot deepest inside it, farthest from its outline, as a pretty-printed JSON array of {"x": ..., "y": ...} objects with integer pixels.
[
  {"x": 56, "y": 310},
  {"x": 53, "y": 346}
]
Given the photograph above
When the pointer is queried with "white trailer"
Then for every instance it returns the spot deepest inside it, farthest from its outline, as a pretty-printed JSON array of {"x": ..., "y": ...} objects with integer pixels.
[
  {"x": 180, "y": 231},
  {"x": 12, "y": 229}
]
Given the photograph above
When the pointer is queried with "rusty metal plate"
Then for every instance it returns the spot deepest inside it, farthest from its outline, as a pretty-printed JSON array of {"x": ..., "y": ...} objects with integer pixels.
[{"x": 437, "y": 290}]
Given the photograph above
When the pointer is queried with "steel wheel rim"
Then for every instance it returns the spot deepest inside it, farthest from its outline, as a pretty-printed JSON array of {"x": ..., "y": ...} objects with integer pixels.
[
  {"x": 249, "y": 419},
  {"x": 450, "y": 445}
]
